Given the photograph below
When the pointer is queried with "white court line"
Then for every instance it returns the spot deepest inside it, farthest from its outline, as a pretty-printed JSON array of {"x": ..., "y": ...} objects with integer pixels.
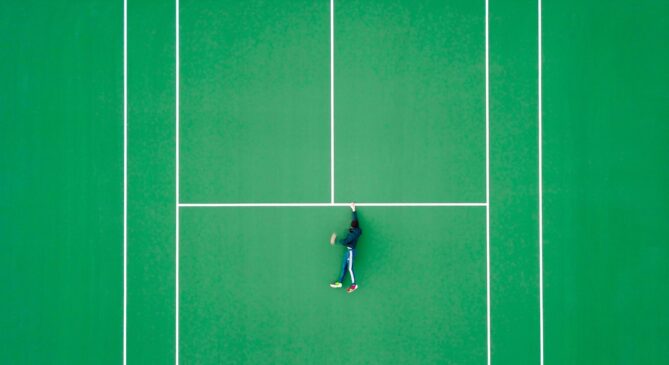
[
  {"x": 487, "y": 178},
  {"x": 332, "y": 106},
  {"x": 306, "y": 205},
  {"x": 541, "y": 199},
  {"x": 176, "y": 208},
  {"x": 125, "y": 181}
]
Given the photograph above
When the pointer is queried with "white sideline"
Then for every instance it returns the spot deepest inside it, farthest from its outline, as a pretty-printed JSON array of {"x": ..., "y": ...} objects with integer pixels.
[
  {"x": 487, "y": 181},
  {"x": 176, "y": 208},
  {"x": 541, "y": 201},
  {"x": 125, "y": 181}
]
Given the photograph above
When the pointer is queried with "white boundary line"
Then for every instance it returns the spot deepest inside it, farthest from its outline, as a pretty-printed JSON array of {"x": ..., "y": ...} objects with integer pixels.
[
  {"x": 125, "y": 181},
  {"x": 305, "y": 205},
  {"x": 487, "y": 178},
  {"x": 176, "y": 275},
  {"x": 332, "y": 106},
  {"x": 541, "y": 199}
]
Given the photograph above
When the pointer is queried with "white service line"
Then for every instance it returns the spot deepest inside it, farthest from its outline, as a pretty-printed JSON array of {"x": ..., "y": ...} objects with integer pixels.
[
  {"x": 541, "y": 199},
  {"x": 487, "y": 178},
  {"x": 125, "y": 181},
  {"x": 332, "y": 106},
  {"x": 176, "y": 276},
  {"x": 306, "y": 205}
]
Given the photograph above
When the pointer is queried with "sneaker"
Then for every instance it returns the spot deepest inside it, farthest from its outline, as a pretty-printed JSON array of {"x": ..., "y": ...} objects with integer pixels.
[
  {"x": 335, "y": 285},
  {"x": 352, "y": 288}
]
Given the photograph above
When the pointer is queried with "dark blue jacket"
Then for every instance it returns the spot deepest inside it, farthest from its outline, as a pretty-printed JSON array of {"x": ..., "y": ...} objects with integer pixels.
[{"x": 351, "y": 239}]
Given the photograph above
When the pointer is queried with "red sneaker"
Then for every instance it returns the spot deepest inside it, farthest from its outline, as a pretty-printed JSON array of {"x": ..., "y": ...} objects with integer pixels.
[{"x": 352, "y": 288}]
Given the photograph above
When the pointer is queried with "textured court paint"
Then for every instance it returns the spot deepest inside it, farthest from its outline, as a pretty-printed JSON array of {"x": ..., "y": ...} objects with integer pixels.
[
  {"x": 514, "y": 183},
  {"x": 606, "y": 108},
  {"x": 606, "y": 254},
  {"x": 151, "y": 150},
  {"x": 255, "y": 287},
  {"x": 255, "y": 101},
  {"x": 410, "y": 100},
  {"x": 61, "y": 182}
]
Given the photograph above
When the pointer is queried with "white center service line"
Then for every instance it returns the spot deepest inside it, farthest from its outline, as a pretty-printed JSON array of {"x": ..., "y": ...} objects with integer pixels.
[{"x": 332, "y": 106}]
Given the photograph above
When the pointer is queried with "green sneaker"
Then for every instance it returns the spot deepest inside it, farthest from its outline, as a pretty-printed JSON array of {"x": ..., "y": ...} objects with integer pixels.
[{"x": 335, "y": 285}]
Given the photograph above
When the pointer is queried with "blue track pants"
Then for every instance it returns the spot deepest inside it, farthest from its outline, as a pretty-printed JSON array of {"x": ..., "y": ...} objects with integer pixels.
[{"x": 347, "y": 262}]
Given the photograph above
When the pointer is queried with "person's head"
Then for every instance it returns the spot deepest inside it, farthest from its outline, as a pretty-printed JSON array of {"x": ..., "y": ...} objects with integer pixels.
[{"x": 354, "y": 224}]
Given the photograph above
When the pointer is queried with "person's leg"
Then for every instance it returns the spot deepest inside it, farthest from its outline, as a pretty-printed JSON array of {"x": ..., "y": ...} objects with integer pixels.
[
  {"x": 354, "y": 286},
  {"x": 344, "y": 264}
]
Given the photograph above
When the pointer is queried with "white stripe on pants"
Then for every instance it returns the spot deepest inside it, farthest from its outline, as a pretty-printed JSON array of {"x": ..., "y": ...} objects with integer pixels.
[{"x": 350, "y": 265}]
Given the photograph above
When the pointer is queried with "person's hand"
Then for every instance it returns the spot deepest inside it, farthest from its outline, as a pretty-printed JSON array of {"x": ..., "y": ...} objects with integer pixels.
[
  {"x": 333, "y": 238},
  {"x": 353, "y": 207}
]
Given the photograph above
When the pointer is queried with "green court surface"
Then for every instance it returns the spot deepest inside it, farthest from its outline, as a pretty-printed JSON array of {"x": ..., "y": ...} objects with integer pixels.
[
  {"x": 513, "y": 211},
  {"x": 260, "y": 295},
  {"x": 255, "y": 101}
]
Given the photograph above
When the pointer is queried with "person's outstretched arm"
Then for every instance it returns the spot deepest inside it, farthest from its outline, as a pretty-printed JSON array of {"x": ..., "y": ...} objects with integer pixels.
[{"x": 351, "y": 236}]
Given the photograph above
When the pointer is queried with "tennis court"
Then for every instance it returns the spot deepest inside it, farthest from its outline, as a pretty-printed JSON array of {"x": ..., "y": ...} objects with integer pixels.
[
  {"x": 307, "y": 106},
  {"x": 173, "y": 170}
]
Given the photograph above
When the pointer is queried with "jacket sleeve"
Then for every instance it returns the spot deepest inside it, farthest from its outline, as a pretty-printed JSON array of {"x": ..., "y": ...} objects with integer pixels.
[{"x": 351, "y": 236}]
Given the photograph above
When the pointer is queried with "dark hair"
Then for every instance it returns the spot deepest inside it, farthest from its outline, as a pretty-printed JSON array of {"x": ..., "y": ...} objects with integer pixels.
[{"x": 354, "y": 224}]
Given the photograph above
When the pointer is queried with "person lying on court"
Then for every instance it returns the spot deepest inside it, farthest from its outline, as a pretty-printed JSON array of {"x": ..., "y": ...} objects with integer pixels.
[{"x": 350, "y": 241}]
